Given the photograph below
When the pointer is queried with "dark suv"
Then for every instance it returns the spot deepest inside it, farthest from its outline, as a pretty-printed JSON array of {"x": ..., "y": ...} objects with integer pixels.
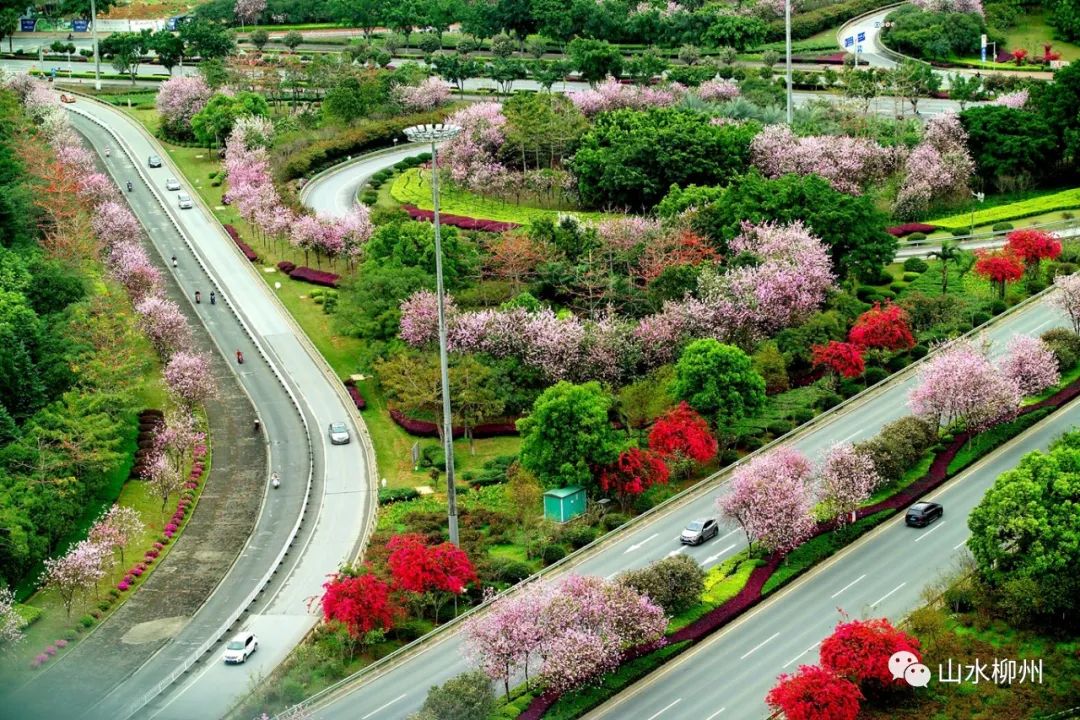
[{"x": 922, "y": 514}]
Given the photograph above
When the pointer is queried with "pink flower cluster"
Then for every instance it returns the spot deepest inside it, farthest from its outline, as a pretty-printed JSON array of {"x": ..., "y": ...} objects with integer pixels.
[
  {"x": 770, "y": 499},
  {"x": 717, "y": 90},
  {"x": 573, "y": 631},
  {"x": 665, "y": 10},
  {"x": 1016, "y": 100},
  {"x": 428, "y": 95},
  {"x": 471, "y": 156},
  {"x": 613, "y": 95},
  {"x": 849, "y": 164},
  {"x": 179, "y": 99},
  {"x": 938, "y": 168},
  {"x": 957, "y": 6}
]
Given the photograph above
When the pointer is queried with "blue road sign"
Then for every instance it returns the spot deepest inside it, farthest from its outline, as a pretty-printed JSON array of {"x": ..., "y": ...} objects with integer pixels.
[
  {"x": 862, "y": 37},
  {"x": 849, "y": 41}
]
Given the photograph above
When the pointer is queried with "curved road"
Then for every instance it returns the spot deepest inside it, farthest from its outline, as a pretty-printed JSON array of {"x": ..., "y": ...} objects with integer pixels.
[{"x": 341, "y": 501}]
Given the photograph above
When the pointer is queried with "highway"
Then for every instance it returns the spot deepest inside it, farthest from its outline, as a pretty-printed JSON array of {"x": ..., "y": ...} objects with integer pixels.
[
  {"x": 341, "y": 499},
  {"x": 881, "y": 575},
  {"x": 401, "y": 689}
]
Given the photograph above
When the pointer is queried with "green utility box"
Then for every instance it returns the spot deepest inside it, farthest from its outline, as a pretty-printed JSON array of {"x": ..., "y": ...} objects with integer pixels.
[{"x": 564, "y": 504}]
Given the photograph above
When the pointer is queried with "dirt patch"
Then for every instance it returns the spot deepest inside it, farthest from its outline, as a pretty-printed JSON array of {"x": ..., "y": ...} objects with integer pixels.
[{"x": 152, "y": 630}]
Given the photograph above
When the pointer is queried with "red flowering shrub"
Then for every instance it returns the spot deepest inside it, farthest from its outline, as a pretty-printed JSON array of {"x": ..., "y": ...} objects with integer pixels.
[
  {"x": 999, "y": 267},
  {"x": 681, "y": 431},
  {"x": 860, "y": 650},
  {"x": 419, "y": 568},
  {"x": 315, "y": 277},
  {"x": 634, "y": 472},
  {"x": 460, "y": 221},
  {"x": 362, "y": 603},
  {"x": 424, "y": 428},
  {"x": 883, "y": 327},
  {"x": 845, "y": 359},
  {"x": 357, "y": 397},
  {"x": 814, "y": 693},
  {"x": 1033, "y": 246}
]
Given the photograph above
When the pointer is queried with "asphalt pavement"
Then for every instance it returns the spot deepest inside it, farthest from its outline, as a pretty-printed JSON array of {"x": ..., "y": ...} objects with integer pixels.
[{"x": 341, "y": 499}]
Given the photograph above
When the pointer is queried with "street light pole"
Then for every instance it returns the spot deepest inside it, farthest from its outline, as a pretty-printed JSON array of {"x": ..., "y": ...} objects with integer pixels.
[
  {"x": 787, "y": 50},
  {"x": 93, "y": 35},
  {"x": 435, "y": 134}
]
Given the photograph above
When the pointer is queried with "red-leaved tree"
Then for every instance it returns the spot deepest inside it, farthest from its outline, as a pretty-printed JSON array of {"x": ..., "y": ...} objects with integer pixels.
[
  {"x": 859, "y": 650},
  {"x": 883, "y": 326},
  {"x": 432, "y": 574},
  {"x": 634, "y": 472},
  {"x": 814, "y": 693},
  {"x": 1033, "y": 246},
  {"x": 682, "y": 433},
  {"x": 999, "y": 267},
  {"x": 362, "y": 603},
  {"x": 844, "y": 359}
]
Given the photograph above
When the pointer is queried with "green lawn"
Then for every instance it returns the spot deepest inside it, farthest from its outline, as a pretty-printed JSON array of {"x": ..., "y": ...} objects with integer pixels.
[
  {"x": 1031, "y": 32},
  {"x": 414, "y": 187},
  {"x": 1044, "y": 208}
]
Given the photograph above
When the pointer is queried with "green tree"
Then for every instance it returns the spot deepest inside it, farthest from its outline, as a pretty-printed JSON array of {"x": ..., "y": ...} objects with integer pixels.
[
  {"x": 1009, "y": 146},
  {"x": 412, "y": 244},
  {"x": 568, "y": 434},
  {"x": 915, "y": 80},
  {"x": 541, "y": 129},
  {"x": 467, "y": 696},
  {"x": 411, "y": 380},
  {"x": 126, "y": 50},
  {"x": 1065, "y": 17},
  {"x": 949, "y": 252},
  {"x": 862, "y": 85},
  {"x": 206, "y": 40},
  {"x": 549, "y": 72},
  {"x": 352, "y": 97},
  {"x": 674, "y": 583},
  {"x": 259, "y": 38},
  {"x": 369, "y": 304},
  {"x": 504, "y": 71},
  {"x": 364, "y": 14},
  {"x": 475, "y": 395},
  {"x": 9, "y": 24},
  {"x": 169, "y": 48},
  {"x": 292, "y": 40},
  {"x": 629, "y": 159},
  {"x": 718, "y": 381},
  {"x": 1058, "y": 103},
  {"x": 964, "y": 89},
  {"x": 1026, "y": 530},
  {"x": 850, "y": 226},
  {"x": 213, "y": 123},
  {"x": 649, "y": 64},
  {"x": 456, "y": 68},
  {"x": 736, "y": 31},
  {"x": 595, "y": 59}
]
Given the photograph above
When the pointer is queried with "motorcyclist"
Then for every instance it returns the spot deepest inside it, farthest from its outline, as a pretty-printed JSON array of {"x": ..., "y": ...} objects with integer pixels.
[
  {"x": 213, "y": 298},
  {"x": 174, "y": 261},
  {"x": 108, "y": 152},
  {"x": 239, "y": 357},
  {"x": 198, "y": 297},
  {"x": 130, "y": 186},
  {"x": 258, "y": 424},
  {"x": 274, "y": 480}
]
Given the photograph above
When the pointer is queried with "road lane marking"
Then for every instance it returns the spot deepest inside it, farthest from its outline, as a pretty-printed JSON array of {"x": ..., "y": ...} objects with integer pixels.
[
  {"x": 940, "y": 523},
  {"x": 849, "y": 585},
  {"x": 382, "y": 707},
  {"x": 633, "y": 547},
  {"x": 962, "y": 544},
  {"x": 711, "y": 558},
  {"x": 730, "y": 534},
  {"x": 883, "y": 597},
  {"x": 802, "y": 653},
  {"x": 673, "y": 553},
  {"x": 759, "y": 646},
  {"x": 679, "y": 700},
  {"x": 716, "y": 713}
]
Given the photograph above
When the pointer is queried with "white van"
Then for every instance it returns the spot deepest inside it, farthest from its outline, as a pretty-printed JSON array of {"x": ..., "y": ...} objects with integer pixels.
[{"x": 240, "y": 647}]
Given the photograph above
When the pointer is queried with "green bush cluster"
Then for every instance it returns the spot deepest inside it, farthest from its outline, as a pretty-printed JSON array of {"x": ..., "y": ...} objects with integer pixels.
[
  {"x": 811, "y": 22},
  {"x": 675, "y": 583},
  {"x": 1002, "y": 226},
  {"x": 393, "y": 495},
  {"x": 898, "y": 446},
  {"x": 493, "y": 471},
  {"x": 1065, "y": 344}
]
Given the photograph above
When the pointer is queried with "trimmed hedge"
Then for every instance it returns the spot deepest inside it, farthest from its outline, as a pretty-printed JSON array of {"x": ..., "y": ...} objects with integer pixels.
[
  {"x": 459, "y": 221},
  {"x": 908, "y": 228},
  {"x": 393, "y": 495},
  {"x": 315, "y": 277},
  {"x": 286, "y": 267},
  {"x": 365, "y": 136},
  {"x": 244, "y": 247},
  {"x": 425, "y": 428}
]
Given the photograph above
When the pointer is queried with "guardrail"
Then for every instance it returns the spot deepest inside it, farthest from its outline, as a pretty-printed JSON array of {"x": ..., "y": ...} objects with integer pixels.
[
  {"x": 691, "y": 493},
  {"x": 224, "y": 628}
]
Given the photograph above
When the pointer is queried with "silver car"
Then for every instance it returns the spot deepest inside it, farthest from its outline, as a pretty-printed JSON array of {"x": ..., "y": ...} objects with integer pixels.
[
  {"x": 339, "y": 434},
  {"x": 172, "y": 184},
  {"x": 699, "y": 531},
  {"x": 153, "y": 161},
  {"x": 185, "y": 201}
]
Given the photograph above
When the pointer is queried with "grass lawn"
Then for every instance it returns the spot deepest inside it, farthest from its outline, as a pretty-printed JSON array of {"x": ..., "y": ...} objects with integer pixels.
[
  {"x": 1031, "y": 32},
  {"x": 1043, "y": 208},
  {"x": 415, "y": 188},
  {"x": 342, "y": 352}
]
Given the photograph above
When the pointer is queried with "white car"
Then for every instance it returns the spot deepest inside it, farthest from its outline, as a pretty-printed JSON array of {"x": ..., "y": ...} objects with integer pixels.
[
  {"x": 240, "y": 647},
  {"x": 172, "y": 184},
  {"x": 185, "y": 201},
  {"x": 339, "y": 434}
]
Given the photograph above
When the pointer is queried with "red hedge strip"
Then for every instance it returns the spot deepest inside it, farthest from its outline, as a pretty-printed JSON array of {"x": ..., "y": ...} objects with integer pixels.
[
  {"x": 425, "y": 428},
  {"x": 908, "y": 228},
  {"x": 315, "y": 277},
  {"x": 286, "y": 267},
  {"x": 361, "y": 404},
  {"x": 244, "y": 247},
  {"x": 460, "y": 221}
]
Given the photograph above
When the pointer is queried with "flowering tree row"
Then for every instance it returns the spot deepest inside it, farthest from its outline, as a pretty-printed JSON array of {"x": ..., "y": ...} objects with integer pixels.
[
  {"x": 251, "y": 191},
  {"x": 568, "y": 633},
  {"x": 849, "y": 164},
  {"x": 741, "y": 305},
  {"x": 613, "y": 95}
]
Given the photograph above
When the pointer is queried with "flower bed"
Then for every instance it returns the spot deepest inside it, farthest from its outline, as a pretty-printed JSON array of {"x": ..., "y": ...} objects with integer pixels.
[
  {"x": 459, "y": 221},
  {"x": 244, "y": 247},
  {"x": 315, "y": 277},
  {"x": 425, "y": 428},
  {"x": 753, "y": 591},
  {"x": 908, "y": 228}
]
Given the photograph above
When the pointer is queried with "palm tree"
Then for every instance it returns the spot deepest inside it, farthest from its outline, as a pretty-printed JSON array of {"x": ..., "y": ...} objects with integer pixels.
[{"x": 948, "y": 252}]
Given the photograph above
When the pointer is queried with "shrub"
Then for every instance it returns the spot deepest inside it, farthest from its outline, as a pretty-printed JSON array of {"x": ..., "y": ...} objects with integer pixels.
[
  {"x": 898, "y": 446},
  {"x": 87, "y": 620},
  {"x": 460, "y": 221},
  {"x": 357, "y": 398},
  {"x": 104, "y": 605},
  {"x": 494, "y": 471},
  {"x": 393, "y": 495},
  {"x": 315, "y": 277},
  {"x": 614, "y": 520},
  {"x": 70, "y": 636},
  {"x": 780, "y": 427},
  {"x": 433, "y": 456},
  {"x": 802, "y": 415},
  {"x": 909, "y": 228},
  {"x": 50, "y": 650},
  {"x": 675, "y": 583},
  {"x": 997, "y": 307},
  {"x": 875, "y": 375},
  {"x": 919, "y": 351},
  {"x": 898, "y": 287},
  {"x": 1065, "y": 344},
  {"x": 114, "y": 592},
  {"x": 1002, "y": 226},
  {"x": 286, "y": 267},
  {"x": 917, "y": 236},
  {"x": 979, "y": 318},
  {"x": 578, "y": 535},
  {"x": 509, "y": 570},
  {"x": 915, "y": 265},
  {"x": 879, "y": 277},
  {"x": 552, "y": 553}
]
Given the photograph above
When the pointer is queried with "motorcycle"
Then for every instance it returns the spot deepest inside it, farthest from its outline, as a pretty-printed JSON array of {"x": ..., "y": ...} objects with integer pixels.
[{"x": 130, "y": 186}]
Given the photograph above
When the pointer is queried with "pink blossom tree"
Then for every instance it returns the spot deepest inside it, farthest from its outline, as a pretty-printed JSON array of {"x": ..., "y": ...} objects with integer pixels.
[
  {"x": 613, "y": 95},
  {"x": 164, "y": 324},
  {"x": 947, "y": 6},
  {"x": 179, "y": 99},
  {"x": 770, "y": 499},
  {"x": 960, "y": 385},
  {"x": 1031, "y": 364},
  {"x": 717, "y": 90},
  {"x": 131, "y": 267},
  {"x": 96, "y": 188},
  {"x": 939, "y": 168},
  {"x": 502, "y": 640},
  {"x": 1016, "y": 100},
  {"x": 248, "y": 11},
  {"x": 116, "y": 527},
  {"x": 428, "y": 95},
  {"x": 74, "y": 572},
  {"x": 114, "y": 224},
  {"x": 11, "y": 623},
  {"x": 1067, "y": 298},
  {"x": 849, "y": 164},
  {"x": 188, "y": 378},
  {"x": 162, "y": 478},
  {"x": 847, "y": 478}
]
